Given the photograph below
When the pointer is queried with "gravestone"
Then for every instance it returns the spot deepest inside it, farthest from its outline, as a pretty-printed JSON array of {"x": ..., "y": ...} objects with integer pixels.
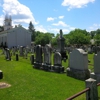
[
  {"x": 96, "y": 73},
  {"x": 78, "y": 65},
  {"x": 32, "y": 59},
  {"x": 47, "y": 57},
  {"x": 8, "y": 55},
  {"x": 1, "y": 74},
  {"x": 90, "y": 50},
  {"x": 38, "y": 59},
  {"x": 17, "y": 58},
  {"x": 21, "y": 51},
  {"x": 58, "y": 63}
]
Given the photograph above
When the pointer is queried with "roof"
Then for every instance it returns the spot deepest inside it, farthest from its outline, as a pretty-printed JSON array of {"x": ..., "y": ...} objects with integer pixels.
[{"x": 6, "y": 31}]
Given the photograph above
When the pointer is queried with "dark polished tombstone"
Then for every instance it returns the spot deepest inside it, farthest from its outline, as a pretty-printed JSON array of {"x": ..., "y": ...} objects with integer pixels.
[
  {"x": 32, "y": 59},
  {"x": 38, "y": 59},
  {"x": 1, "y": 74}
]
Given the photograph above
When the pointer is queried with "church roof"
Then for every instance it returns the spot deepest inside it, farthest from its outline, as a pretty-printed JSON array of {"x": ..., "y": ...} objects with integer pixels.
[{"x": 13, "y": 29}]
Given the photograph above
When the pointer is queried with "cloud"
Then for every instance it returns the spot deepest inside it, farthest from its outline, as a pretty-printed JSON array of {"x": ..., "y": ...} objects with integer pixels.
[
  {"x": 76, "y": 3},
  {"x": 50, "y": 19},
  {"x": 94, "y": 27},
  {"x": 40, "y": 28},
  {"x": 19, "y": 12},
  {"x": 60, "y": 23},
  {"x": 61, "y": 17},
  {"x": 1, "y": 20}
]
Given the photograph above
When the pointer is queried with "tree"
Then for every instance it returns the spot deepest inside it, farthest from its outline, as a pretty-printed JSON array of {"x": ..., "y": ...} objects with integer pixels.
[
  {"x": 43, "y": 38},
  {"x": 1, "y": 28},
  {"x": 97, "y": 37},
  {"x": 32, "y": 30},
  {"x": 78, "y": 36}
]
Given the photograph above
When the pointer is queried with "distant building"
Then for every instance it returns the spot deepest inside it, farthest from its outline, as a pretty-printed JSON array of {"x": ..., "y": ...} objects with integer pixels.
[{"x": 17, "y": 36}]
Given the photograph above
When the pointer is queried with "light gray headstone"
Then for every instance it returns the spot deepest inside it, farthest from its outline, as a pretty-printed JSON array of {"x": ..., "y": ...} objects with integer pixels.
[
  {"x": 78, "y": 59},
  {"x": 57, "y": 59},
  {"x": 47, "y": 54},
  {"x": 97, "y": 63}
]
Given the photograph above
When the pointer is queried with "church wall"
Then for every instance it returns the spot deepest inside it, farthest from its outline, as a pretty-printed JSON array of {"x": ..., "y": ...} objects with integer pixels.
[
  {"x": 3, "y": 38},
  {"x": 11, "y": 39}
]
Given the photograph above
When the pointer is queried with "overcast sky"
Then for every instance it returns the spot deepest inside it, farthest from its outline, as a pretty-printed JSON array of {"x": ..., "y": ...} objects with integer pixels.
[{"x": 53, "y": 15}]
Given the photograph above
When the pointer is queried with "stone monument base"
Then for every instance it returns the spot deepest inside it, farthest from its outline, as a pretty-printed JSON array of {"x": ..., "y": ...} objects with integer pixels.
[
  {"x": 58, "y": 69},
  {"x": 1, "y": 74},
  {"x": 78, "y": 74},
  {"x": 46, "y": 67},
  {"x": 95, "y": 76},
  {"x": 37, "y": 65}
]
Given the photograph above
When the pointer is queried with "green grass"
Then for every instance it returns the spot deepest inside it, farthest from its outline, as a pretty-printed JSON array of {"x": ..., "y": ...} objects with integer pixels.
[{"x": 28, "y": 83}]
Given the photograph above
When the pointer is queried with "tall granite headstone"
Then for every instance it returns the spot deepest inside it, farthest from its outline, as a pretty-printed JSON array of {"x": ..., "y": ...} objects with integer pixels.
[{"x": 47, "y": 58}]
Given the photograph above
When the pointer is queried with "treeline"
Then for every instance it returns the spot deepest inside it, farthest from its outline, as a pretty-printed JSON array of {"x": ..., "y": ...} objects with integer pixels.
[{"x": 77, "y": 36}]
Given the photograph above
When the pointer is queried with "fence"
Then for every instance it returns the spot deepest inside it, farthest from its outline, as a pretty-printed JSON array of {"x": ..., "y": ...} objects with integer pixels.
[{"x": 91, "y": 90}]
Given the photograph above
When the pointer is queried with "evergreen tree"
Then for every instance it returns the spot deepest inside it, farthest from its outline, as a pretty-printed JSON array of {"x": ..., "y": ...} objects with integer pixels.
[{"x": 32, "y": 30}]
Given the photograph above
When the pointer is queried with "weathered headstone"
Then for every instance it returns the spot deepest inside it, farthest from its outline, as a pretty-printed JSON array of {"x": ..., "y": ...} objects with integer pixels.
[
  {"x": 47, "y": 58},
  {"x": 58, "y": 63},
  {"x": 96, "y": 73},
  {"x": 38, "y": 60},
  {"x": 21, "y": 51},
  {"x": 78, "y": 65},
  {"x": 8, "y": 55}
]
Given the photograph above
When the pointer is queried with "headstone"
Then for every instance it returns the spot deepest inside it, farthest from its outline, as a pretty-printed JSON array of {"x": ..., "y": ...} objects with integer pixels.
[
  {"x": 78, "y": 65},
  {"x": 32, "y": 59},
  {"x": 21, "y": 51},
  {"x": 96, "y": 73},
  {"x": 8, "y": 55},
  {"x": 90, "y": 50},
  {"x": 17, "y": 58},
  {"x": 47, "y": 58},
  {"x": 38, "y": 59},
  {"x": 58, "y": 63},
  {"x": 1, "y": 74}
]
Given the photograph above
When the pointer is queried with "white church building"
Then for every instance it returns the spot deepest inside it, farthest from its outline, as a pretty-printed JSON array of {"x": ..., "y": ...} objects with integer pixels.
[{"x": 17, "y": 36}]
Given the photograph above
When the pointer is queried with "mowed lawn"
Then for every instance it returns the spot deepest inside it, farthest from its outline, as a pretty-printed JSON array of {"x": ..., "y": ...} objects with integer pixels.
[{"x": 28, "y": 83}]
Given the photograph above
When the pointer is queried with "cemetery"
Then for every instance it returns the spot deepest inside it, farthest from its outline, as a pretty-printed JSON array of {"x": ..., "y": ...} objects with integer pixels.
[{"x": 40, "y": 73}]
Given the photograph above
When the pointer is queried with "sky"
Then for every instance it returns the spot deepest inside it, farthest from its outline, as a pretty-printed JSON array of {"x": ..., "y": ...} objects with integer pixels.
[{"x": 53, "y": 15}]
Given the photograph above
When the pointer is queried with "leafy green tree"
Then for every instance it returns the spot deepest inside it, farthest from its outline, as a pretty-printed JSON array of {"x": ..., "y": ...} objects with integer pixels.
[
  {"x": 78, "y": 36},
  {"x": 97, "y": 37},
  {"x": 43, "y": 38}
]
